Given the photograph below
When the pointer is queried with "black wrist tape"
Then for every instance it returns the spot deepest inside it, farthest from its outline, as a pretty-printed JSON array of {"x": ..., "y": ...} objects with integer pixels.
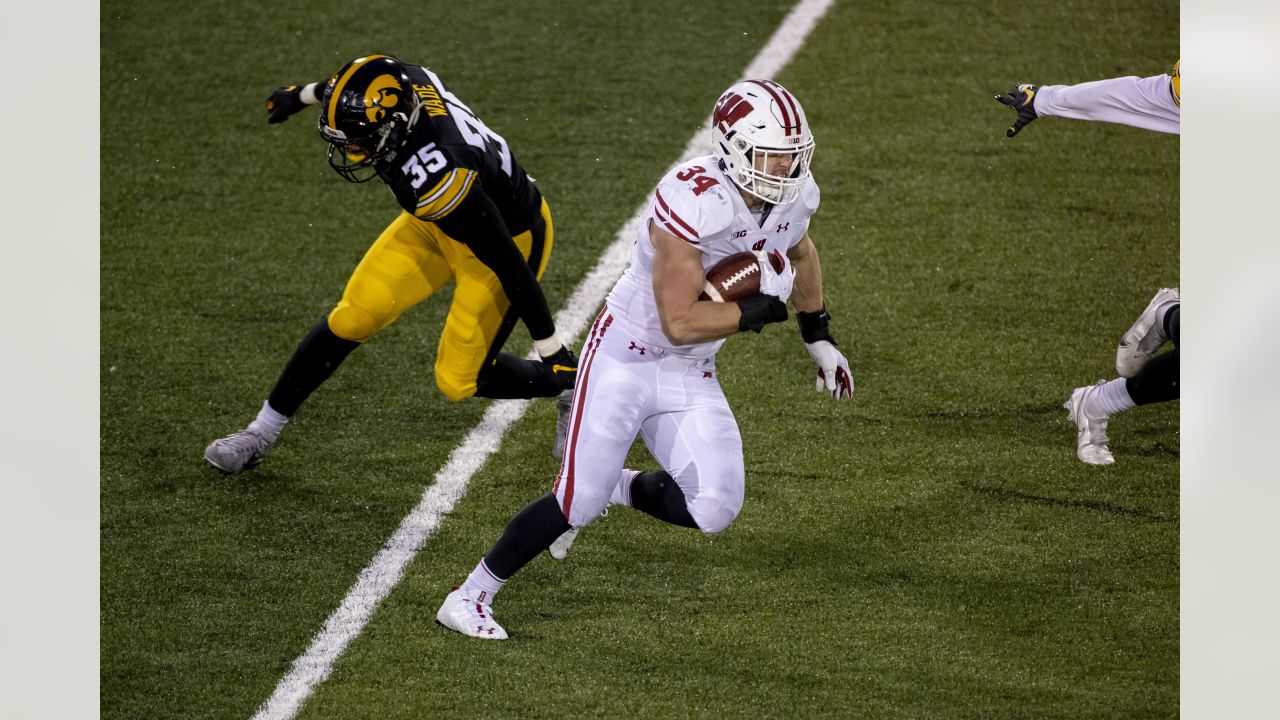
[{"x": 813, "y": 326}]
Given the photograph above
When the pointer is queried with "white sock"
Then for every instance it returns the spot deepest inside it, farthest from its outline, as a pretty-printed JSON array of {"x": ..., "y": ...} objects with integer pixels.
[
  {"x": 481, "y": 585},
  {"x": 548, "y": 346},
  {"x": 622, "y": 491},
  {"x": 269, "y": 422},
  {"x": 1114, "y": 397}
]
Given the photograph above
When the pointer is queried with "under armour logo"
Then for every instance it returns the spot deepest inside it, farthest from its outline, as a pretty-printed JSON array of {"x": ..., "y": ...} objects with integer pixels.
[
  {"x": 758, "y": 245},
  {"x": 707, "y": 374},
  {"x": 784, "y": 227},
  {"x": 637, "y": 348}
]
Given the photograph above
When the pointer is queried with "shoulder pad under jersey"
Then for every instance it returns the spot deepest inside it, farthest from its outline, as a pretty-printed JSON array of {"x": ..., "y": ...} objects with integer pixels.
[
  {"x": 692, "y": 204},
  {"x": 810, "y": 196}
]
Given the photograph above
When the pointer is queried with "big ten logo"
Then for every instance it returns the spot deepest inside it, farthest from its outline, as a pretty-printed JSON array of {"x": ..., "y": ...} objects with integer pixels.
[{"x": 740, "y": 234}]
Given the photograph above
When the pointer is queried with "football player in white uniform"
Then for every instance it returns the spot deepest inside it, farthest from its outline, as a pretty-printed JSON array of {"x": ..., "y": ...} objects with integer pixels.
[
  {"x": 1151, "y": 103},
  {"x": 648, "y": 364}
]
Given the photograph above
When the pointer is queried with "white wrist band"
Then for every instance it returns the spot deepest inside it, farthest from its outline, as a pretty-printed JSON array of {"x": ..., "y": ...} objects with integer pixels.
[{"x": 308, "y": 94}]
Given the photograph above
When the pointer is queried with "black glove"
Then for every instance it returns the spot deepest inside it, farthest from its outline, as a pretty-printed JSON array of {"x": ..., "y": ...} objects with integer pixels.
[
  {"x": 563, "y": 365},
  {"x": 285, "y": 101},
  {"x": 1022, "y": 99},
  {"x": 759, "y": 311}
]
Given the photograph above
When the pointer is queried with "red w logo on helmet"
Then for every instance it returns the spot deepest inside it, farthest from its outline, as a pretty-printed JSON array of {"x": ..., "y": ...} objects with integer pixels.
[{"x": 730, "y": 109}]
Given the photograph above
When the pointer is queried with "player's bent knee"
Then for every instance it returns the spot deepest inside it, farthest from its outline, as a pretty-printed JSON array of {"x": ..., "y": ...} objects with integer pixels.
[
  {"x": 586, "y": 507},
  {"x": 714, "y": 515},
  {"x": 455, "y": 386},
  {"x": 350, "y": 322}
]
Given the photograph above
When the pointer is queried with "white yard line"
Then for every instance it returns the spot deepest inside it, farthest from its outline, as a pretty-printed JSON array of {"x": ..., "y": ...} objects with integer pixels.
[{"x": 387, "y": 568}]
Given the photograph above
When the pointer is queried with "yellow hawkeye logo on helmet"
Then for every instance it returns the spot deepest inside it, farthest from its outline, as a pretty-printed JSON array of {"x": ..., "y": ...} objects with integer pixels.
[{"x": 379, "y": 96}]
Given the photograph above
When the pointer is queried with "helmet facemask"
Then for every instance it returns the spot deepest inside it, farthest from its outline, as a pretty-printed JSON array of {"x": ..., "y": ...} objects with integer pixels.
[
  {"x": 356, "y": 159},
  {"x": 775, "y": 175}
]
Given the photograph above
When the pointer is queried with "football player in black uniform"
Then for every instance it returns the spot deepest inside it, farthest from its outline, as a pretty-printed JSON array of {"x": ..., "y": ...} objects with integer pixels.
[{"x": 469, "y": 214}]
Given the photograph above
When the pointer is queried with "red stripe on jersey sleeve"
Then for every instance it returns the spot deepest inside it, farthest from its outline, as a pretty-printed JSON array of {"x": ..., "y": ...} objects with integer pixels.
[
  {"x": 671, "y": 229},
  {"x": 667, "y": 210}
]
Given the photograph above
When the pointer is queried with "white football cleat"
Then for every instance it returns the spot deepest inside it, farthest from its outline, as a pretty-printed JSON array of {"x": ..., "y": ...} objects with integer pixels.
[
  {"x": 1091, "y": 425},
  {"x": 560, "y": 548},
  {"x": 462, "y": 614},
  {"x": 1145, "y": 336},
  {"x": 238, "y": 451},
  {"x": 564, "y": 402}
]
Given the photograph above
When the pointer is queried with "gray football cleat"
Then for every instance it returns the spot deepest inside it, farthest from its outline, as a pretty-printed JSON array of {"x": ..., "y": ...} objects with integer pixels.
[
  {"x": 1091, "y": 425},
  {"x": 1145, "y": 336},
  {"x": 238, "y": 451}
]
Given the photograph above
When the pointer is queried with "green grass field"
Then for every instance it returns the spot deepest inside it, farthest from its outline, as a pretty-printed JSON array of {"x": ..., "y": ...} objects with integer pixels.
[{"x": 930, "y": 549}]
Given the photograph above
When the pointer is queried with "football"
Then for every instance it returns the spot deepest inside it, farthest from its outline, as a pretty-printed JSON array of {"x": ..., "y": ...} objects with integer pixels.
[{"x": 736, "y": 277}]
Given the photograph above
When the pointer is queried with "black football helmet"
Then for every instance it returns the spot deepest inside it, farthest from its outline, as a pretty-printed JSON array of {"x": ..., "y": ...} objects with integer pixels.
[{"x": 366, "y": 110}]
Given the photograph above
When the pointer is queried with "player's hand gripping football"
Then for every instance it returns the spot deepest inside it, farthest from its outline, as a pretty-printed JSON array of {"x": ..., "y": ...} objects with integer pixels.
[
  {"x": 1022, "y": 99},
  {"x": 776, "y": 274},
  {"x": 283, "y": 102},
  {"x": 834, "y": 376},
  {"x": 563, "y": 365}
]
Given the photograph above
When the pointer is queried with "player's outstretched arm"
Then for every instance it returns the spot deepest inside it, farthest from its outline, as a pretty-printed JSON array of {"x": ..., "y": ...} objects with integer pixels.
[
  {"x": 289, "y": 99},
  {"x": 1149, "y": 103}
]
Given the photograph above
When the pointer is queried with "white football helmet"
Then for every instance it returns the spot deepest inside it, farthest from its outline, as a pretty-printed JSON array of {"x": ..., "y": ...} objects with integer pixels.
[{"x": 760, "y": 134}]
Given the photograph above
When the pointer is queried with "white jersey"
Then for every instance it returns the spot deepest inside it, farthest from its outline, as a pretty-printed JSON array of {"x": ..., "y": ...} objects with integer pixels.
[
  {"x": 1151, "y": 103},
  {"x": 699, "y": 204}
]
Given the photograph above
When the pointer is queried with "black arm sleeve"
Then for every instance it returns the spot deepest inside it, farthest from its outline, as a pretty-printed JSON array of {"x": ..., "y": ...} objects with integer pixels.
[{"x": 478, "y": 224}]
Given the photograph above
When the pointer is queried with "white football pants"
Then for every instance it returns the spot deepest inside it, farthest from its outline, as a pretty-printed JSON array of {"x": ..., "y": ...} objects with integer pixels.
[{"x": 626, "y": 387}]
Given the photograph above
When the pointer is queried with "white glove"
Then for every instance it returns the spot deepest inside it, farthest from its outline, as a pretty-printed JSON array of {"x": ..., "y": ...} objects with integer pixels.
[
  {"x": 833, "y": 370},
  {"x": 776, "y": 274}
]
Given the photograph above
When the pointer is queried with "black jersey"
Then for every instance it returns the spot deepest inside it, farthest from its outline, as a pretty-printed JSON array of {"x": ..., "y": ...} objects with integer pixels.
[{"x": 450, "y": 153}]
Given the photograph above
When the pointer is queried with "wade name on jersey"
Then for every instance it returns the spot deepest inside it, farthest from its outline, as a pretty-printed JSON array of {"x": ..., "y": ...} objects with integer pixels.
[
  {"x": 449, "y": 150},
  {"x": 699, "y": 204}
]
